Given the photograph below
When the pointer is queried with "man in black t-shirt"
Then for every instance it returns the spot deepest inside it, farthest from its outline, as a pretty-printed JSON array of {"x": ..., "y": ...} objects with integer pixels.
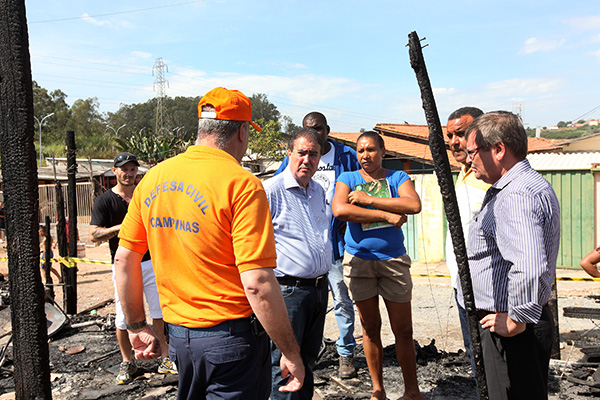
[{"x": 109, "y": 211}]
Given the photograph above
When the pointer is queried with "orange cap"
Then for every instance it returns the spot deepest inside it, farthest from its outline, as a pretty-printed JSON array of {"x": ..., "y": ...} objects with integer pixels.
[{"x": 230, "y": 105}]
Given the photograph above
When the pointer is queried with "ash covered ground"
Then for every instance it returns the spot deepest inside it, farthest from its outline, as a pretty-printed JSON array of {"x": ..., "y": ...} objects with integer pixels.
[{"x": 84, "y": 361}]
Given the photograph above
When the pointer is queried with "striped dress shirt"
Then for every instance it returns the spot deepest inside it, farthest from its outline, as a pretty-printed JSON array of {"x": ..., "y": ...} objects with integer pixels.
[
  {"x": 301, "y": 226},
  {"x": 513, "y": 245}
]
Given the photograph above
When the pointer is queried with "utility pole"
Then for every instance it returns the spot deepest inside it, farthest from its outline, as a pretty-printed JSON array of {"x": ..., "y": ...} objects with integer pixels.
[{"x": 158, "y": 70}]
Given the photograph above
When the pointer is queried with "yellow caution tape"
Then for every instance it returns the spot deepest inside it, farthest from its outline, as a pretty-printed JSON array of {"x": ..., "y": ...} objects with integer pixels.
[
  {"x": 558, "y": 278},
  {"x": 566, "y": 278},
  {"x": 69, "y": 261}
]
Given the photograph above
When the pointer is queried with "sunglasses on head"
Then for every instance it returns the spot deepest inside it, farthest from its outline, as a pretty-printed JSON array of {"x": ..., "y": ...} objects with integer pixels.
[{"x": 126, "y": 158}]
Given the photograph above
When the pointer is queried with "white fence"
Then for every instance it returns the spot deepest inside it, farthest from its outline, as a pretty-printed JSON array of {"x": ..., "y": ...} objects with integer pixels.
[{"x": 85, "y": 202}]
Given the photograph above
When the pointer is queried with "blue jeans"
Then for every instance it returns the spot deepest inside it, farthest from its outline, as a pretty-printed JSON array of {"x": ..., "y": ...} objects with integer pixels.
[
  {"x": 343, "y": 310},
  {"x": 466, "y": 334},
  {"x": 226, "y": 361},
  {"x": 306, "y": 306}
]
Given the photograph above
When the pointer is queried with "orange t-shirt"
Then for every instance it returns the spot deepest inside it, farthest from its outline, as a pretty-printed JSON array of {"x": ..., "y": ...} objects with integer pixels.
[{"x": 205, "y": 220}]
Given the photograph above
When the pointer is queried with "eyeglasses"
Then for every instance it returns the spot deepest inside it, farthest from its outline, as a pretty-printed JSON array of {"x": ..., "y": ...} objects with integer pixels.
[{"x": 472, "y": 153}]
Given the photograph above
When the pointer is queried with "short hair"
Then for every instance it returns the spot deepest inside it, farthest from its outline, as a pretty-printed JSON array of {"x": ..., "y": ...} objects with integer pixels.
[
  {"x": 372, "y": 135},
  {"x": 500, "y": 126},
  {"x": 309, "y": 133},
  {"x": 220, "y": 129},
  {"x": 472, "y": 111},
  {"x": 314, "y": 115}
]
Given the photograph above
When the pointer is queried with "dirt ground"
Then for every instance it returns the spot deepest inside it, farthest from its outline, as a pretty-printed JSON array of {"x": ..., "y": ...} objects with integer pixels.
[{"x": 84, "y": 360}]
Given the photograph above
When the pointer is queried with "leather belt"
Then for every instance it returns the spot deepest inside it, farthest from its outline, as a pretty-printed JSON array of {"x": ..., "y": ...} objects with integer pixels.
[{"x": 294, "y": 281}]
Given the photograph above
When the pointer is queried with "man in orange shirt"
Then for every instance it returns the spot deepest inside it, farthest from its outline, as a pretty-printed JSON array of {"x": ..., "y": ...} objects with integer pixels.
[{"x": 208, "y": 226}]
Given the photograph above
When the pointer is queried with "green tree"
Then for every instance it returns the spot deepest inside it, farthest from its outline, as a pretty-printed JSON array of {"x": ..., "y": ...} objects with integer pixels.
[
  {"x": 44, "y": 104},
  {"x": 289, "y": 127},
  {"x": 91, "y": 137},
  {"x": 182, "y": 117},
  {"x": 150, "y": 148},
  {"x": 263, "y": 109},
  {"x": 266, "y": 145},
  {"x": 561, "y": 124}
]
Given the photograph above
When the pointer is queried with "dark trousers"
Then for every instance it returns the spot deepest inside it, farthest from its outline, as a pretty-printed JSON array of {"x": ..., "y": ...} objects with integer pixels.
[
  {"x": 306, "y": 306},
  {"x": 517, "y": 367},
  {"x": 226, "y": 361}
]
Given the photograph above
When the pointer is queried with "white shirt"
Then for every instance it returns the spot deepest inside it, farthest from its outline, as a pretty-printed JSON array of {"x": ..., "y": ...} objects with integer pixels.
[
  {"x": 325, "y": 176},
  {"x": 470, "y": 192}
]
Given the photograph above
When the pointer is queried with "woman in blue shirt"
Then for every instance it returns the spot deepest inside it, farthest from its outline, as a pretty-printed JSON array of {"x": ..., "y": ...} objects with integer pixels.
[{"x": 375, "y": 259}]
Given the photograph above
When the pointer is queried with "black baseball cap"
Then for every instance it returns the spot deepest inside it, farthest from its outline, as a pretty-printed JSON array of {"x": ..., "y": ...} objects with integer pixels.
[{"x": 123, "y": 158}]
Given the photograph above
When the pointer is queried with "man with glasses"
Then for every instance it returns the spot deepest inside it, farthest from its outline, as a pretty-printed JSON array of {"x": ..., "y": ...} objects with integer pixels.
[
  {"x": 469, "y": 194},
  {"x": 109, "y": 211},
  {"x": 207, "y": 223},
  {"x": 512, "y": 250},
  {"x": 298, "y": 210},
  {"x": 336, "y": 158}
]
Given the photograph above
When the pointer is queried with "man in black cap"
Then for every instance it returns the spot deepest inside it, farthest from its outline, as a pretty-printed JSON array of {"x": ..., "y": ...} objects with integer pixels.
[{"x": 109, "y": 211}]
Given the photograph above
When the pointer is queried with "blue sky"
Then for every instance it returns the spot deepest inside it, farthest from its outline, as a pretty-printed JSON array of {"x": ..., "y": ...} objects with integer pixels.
[{"x": 345, "y": 58}]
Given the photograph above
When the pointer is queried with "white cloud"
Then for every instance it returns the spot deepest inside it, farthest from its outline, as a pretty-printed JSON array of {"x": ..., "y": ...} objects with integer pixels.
[
  {"x": 305, "y": 88},
  {"x": 94, "y": 21},
  {"x": 293, "y": 65},
  {"x": 521, "y": 86},
  {"x": 588, "y": 23},
  {"x": 443, "y": 91},
  {"x": 533, "y": 45},
  {"x": 595, "y": 54},
  {"x": 141, "y": 54},
  {"x": 106, "y": 22}
]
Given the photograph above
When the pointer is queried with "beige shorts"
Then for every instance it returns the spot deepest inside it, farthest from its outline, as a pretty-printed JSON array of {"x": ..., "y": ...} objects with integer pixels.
[{"x": 369, "y": 278}]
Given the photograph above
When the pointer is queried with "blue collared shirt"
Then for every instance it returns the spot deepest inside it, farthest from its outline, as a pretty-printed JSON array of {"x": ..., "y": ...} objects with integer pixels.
[
  {"x": 513, "y": 245},
  {"x": 301, "y": 226}
]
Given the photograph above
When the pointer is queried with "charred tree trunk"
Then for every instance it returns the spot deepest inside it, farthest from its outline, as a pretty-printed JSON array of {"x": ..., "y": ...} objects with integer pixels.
[
  {"x": 71, "y": 278},
  {"x": 442, "y": 170},
  {"x": 19, "y": 174}
]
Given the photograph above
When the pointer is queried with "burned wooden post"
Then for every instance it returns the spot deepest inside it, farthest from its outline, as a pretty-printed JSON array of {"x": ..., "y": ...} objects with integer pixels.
[
  {"x": 47, "y": 257},
  {"x": 19, "y": 174},
  {"x": 553, "y": 303},
  {"x": 71, "y": 278},
  {"x": 442, "y": 170},
  {"x": 61, "y": 237}
]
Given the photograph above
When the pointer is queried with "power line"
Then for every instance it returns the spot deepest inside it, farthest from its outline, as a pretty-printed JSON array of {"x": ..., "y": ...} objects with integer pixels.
[
  {"x": 134, "y": 67},
  {"x": 587, "y": 113},
  {"x": 113, "y": 13}
]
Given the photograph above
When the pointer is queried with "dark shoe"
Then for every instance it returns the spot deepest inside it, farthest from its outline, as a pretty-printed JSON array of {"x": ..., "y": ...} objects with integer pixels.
[{"x": 347, "y": 369}]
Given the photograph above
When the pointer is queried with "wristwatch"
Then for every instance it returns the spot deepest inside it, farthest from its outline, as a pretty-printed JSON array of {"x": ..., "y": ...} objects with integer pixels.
[{"x": 137, "y": 325}]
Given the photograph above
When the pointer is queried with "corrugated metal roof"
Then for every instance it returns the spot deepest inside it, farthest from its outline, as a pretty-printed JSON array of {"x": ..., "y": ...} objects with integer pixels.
[{"x": 563, "y": 161}]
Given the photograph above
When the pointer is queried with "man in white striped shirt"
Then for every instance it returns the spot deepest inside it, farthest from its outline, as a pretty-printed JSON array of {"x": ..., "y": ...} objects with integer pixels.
[
  {"x": 512, "y": 249},
  {"x": 301, "y": 227}
]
